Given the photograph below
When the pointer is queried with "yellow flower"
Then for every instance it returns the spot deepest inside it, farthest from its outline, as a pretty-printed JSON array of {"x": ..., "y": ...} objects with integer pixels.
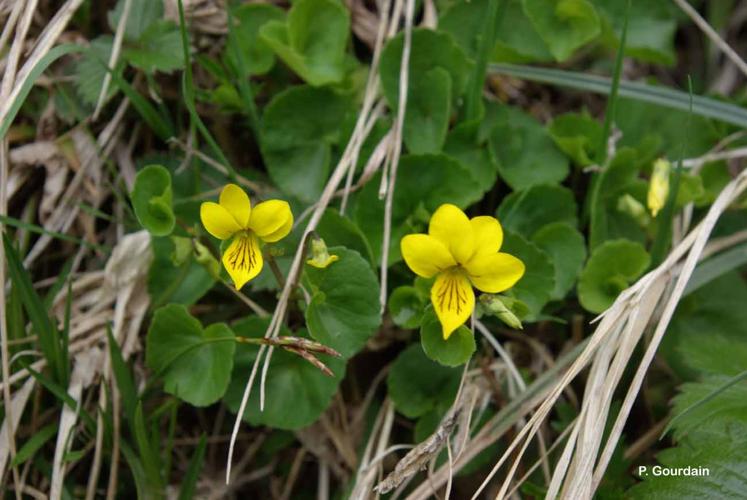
[
  {"x": 461, "y": 253},
  {"x": 658, "y": 188},
  {"x": 235, "y": 218}
]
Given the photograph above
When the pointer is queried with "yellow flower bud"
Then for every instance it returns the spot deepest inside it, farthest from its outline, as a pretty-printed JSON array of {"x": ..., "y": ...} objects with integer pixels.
[
  {"x": 658, "y": 188},
  {"x": 320, "y": 257}
]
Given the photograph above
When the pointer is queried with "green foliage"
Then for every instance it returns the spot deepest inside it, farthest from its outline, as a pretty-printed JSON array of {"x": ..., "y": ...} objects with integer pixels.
[
  {"x": 437, "y": 76},
  {"x": 526, "y": 211},
  {"x": 611, "y": 268},
  {"x": 299, "y": 128},
  {"x": 297, "y": 392},
  {"x": 312, "y": 41},
  {"x": 525, "y": 151},
  {"x": 250, "y": 18},
  {"x": 567, "y": 249},
  {"x": 195, "y": 362},
  {"x": 536, "y": 287},
  {"x": 406, "y": 306},
  {"x": 418, "y": 385},
  {"x": 157, "y": 49},
  {"x": 152, "y": 200},
  {"x": 565, "y": 25},
  {"x": 651, "y": 28},
  {"x": 344, "y": 308},
  {"x": 578, "y": 135},
  {"x": 454, "y": 351}
]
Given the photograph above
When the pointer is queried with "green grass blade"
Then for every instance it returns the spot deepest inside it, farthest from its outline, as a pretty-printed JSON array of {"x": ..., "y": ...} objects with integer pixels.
[
  {"x": 193, "y": 471},
  {"x": 717, "y": 266},
  {"x": 123, "y": 378},
  {"x": 189, "y": 99},
  {"x": 245, "y": 90},
  {"x": 598, "y": 217},
  {"x": 713, "y": 394},
  {"x": 663, "y": 238},
  {"x": 644, "y": 92},
  {"x": 159, "y": 124},
  {"x": 148, "y": 456},
  {"x": 60, "y": 393},
  {"x": 59, "y": 282},
  {"x": 13, "y": 222},
  {"x": 51, "y": 56},
  {"x": 35, "y": 442},
  {"x": 487, "y": 43},
  {"x": 49, "y": 338},
  {"x": 609, "y": 115}
]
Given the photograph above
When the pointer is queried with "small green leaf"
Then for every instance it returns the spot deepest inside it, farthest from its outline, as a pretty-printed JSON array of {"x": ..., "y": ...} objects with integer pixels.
[
  {"x": 578, "y": 135},
  {"x": 34, "y": 443},
  {"x": 157, "y": 49},
  {"x": 195, "y": 362},
  {"x": 525, "y": 151},
  {"x": 258, "y": 55},
  {"x": 607, "y": 187},
  {"x": 455, "y": 351},
  {"x": 299, "y": 128},
  {"x": 183, "y": 284},
  {"x": 469, "y": 146},
  {"x": 344, "y": 308},
  {"x": 417, "y": 385},
  {"x": 517, "y": 40},
  {"x": 612, "y": 267},
  {"x": 297, "y": 393},
  {"x": 527, "y": 211},
  {"x": 565, "y": 25},
  {"x": 90, "y": 73},
  {"x": 143, "y": 13},
  {"x": 438, "y": 71},
  {"x": 313, "y": 40},
  {"x": 151, "y": 199},
  {"x": 406, "y": 307},
  {"x": 566, "y": 247},
  {"x": 428, "y": 112}
]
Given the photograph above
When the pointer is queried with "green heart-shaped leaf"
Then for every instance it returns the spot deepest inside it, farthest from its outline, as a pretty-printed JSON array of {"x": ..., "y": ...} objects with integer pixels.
[
  {"x": 565, "y": 25},
  {"x": 299, "y": 128},
  {"x": 195, "y": 362},
  {"x": 344, "y": 309},
  {"x": 417, "y": 385},
  {"x": 151, "y": 199},
  {"x": 454, "y": 351},
  {"x": 297, "y": 393},
  {"x": 613, "y": 265},
  {"x": 527, "y": 211},
  {"x": 313, "y": 40}
]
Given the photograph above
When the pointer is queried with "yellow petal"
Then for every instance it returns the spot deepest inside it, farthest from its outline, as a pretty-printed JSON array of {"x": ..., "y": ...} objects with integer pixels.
[
  {"x": 493, "y": 273},
  {"x": 271, "y": 220},
  {"x": 236, "y": 201},
  {"x": 218, "y": 221},
  {"x": 488, "y": 234},
  {"x": 243, "y": 259},
  {"x": 453, "y": 229},
  {"x": 425, "y": 255},
  {"x": 453, "y": 300}
]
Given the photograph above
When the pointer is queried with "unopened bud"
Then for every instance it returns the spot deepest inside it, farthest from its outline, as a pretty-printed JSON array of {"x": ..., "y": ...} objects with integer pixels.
[
  {"x": 494, "y": 304},
  {"x": 206, "y": 259},
  {"x": 320, "y": 257},
  {"x": 658, "y": 188}
]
